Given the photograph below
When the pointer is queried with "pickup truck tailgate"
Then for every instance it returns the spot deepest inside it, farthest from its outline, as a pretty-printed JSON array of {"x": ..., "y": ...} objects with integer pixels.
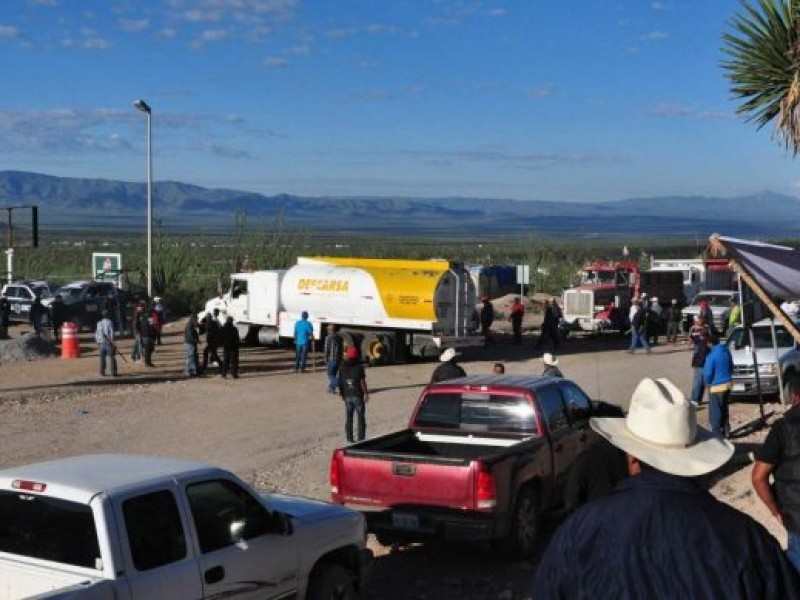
[
  {"x": 370, "y": 480},
  {"x": 20, "y": 580}
]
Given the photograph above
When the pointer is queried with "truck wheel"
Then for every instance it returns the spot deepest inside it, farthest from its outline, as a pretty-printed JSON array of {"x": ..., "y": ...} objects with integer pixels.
[
  {"x": 331, "y": 582},
  {"x": 523, "y": 536}
]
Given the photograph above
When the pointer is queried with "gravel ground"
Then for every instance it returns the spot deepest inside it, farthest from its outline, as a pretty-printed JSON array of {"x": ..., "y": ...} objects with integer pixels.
[{"x": 277, "y": 430}]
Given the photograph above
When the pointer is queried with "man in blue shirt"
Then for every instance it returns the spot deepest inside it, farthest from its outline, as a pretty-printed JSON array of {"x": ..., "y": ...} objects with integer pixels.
[
  {"x": 303, "y": 338},
  {"x": 718, "y": 375},
  {"x": 104, "y": 336}
]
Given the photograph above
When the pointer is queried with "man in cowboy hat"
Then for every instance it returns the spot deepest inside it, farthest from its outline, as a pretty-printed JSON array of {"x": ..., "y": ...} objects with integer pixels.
[
  {"x": 551, "y": 366},
  {"x": 449, "y": 368},
  {"x": 660, "y": 534}
]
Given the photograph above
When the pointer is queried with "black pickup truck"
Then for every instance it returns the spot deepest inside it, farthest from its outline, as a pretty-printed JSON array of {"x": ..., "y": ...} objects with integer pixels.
[{"x": 484, "y": 458}]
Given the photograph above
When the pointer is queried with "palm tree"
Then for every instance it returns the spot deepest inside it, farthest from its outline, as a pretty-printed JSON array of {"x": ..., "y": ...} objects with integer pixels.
[{"x": 763, "y": 66}]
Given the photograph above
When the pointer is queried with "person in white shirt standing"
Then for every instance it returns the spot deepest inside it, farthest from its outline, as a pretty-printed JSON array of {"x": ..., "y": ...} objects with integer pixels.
[{"x": 104, "y": 336}]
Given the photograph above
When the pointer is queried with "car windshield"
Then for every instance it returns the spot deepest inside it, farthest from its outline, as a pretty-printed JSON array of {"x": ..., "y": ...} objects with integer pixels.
[
  {"x": 763, "y": 337},
  {"x": 712, "y": 299},
  {"x": 42, "y": 291},
  {"x": 69, "y": 294}
]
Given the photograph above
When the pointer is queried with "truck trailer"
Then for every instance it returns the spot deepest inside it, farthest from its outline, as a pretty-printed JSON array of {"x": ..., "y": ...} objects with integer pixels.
[{"x": 387, "y": 308}]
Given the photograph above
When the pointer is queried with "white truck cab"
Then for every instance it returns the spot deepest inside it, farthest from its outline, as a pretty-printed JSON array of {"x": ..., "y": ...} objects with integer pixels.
[{"x": 121, "y": 526}]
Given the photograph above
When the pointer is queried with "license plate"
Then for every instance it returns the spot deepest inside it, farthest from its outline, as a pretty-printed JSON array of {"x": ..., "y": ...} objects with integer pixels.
[
  {"x": 405, "y": 521},
  {"x": 738, "y": 387}
]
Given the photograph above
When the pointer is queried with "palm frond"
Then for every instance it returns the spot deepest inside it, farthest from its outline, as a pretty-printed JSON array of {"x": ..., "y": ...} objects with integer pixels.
[{"x": 763, "y": 66}]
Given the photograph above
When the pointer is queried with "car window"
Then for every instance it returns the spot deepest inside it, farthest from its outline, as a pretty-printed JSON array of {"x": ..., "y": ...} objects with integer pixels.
[
  {"x": 552, "y": 407},
  {"x": 42, "y": 290},
  {"x": 762, "y": 336},
  {"x": 12, "y": 291},
  {"x": 239, "y": 287},
  {"x": 25, "y": 293},
  {"x": 49, "y": 529},
  {"x": 579, "y": 406},
  {"x": 155, "y": 531},
  {"x": 499, "y": 413},
  {"x": 224, "y": 514}
]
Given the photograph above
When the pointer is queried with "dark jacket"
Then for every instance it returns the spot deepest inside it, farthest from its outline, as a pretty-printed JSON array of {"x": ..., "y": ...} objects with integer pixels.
[
  {"x": 190, "y": 334},
  {"x": 213, "y": 327},
  {"x": 351, "y": 376},
  {"x": 229, "y": 336},
  {"x": 447, "y": 370},
  {"x": 487, "y": 315},
  {"x": 59, "y": 312},
  {"x": 333, "y": 347},
  {"x": 661, "y": 536}
]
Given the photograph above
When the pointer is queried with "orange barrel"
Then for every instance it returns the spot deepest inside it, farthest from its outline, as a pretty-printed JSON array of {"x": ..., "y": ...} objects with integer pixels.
[{"x": 70, "y": 348}]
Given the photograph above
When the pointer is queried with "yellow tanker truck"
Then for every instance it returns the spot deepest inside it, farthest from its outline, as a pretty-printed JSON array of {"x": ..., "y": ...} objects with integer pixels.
[{"x": 390, "y": 309}]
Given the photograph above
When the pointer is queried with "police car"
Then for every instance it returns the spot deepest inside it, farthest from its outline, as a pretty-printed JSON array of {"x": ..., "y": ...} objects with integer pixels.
[{"x": 21, "y": 294}]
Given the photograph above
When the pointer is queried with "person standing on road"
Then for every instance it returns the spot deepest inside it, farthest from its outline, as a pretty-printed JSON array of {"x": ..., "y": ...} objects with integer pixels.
[
  {"x": 779, "y": 457},
  {"x": 148, "y": 338},
  {"x": 303, "y": 338},
  {"x": 229, "y": 336},
  {"x": 213, "y": 340},
  {"x": 487, "y": 318},
  {"x": 697, "y": 337},
  {"x": 332, "y": 351},
  {"x": 355, "y": 394},
  {"x": 549, "y": 330},
  {"x": 551, "y": 366},
  {"x": 718, "y": 376},
  {"x": 136, "y": 326},
  {"x": 58, "y": 316},
  {"x": 5, "y": 315},
  {"x": 104, "y": 336},
  {"x": 517, "y": 312},
  {"x": 659, "y": 534},
  {"x": 191, "y": 337},
  {"x": 36, "y": 314},
  {"x": 157, "y": 312},
  {"x": 734, "y": 316},
  {"x": 448, "y": 367},
  {"x": 639, "y": 329},
  {"x": 673, "y": 321}
]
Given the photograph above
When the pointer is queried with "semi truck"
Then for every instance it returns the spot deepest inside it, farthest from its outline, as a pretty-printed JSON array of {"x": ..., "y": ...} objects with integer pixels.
[{"x": 389, "y": 309}]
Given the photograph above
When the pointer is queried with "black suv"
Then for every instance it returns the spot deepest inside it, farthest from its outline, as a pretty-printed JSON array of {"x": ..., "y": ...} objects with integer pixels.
[
  {"x": 21, "y": 294},
  {"x": 85, "y": 300}
]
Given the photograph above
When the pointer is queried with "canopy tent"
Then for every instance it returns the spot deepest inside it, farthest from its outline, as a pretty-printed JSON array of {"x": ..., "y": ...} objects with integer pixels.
[{"x": 776, "y": 269}]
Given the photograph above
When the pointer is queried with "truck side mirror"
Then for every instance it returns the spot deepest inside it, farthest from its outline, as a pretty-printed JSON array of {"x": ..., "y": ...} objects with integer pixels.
[{"x": 281, "y": 524}]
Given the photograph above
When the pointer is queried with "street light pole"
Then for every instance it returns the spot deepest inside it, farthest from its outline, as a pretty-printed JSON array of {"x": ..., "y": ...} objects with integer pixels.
[{"x": 145, "y": 108}]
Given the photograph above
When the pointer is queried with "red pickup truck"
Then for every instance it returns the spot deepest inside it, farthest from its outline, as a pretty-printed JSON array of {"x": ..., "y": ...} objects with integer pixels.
[{"x": 483, "y": 459}]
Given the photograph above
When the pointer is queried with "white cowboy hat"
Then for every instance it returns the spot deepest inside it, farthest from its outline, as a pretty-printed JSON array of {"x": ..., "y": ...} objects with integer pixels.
[
  {"x": 449, "y": 354},
  {"x": 661, "y": 430},
  {"x": 549, "y": 359}
]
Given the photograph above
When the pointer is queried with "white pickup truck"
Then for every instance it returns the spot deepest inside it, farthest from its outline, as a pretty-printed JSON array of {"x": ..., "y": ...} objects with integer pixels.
[{"x": 126, "y": 527}]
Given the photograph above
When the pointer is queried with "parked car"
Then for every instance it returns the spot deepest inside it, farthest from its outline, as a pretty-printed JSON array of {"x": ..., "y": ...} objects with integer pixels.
[
  {"x": 21, "y": 294},
  {"x": 484, "y": 458},
  {"x": 767, "y": 358},
  {"x": 719, "y": 301},
  {"x": 85, "y": 301},
  {"x": 138, "y": 527}
]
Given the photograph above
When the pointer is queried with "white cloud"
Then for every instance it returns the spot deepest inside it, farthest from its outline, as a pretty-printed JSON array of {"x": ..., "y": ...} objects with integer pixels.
[
  {"x": 542, "y": 91},
  {"x": 654, "y": 36},
  {"x": 276, "y": 62},
  {"x": 496, "y": 13},
  {"x": 8, "y": 32},
  {"x": 679, "y": 111},
  {"x": 134, "y": 25}
]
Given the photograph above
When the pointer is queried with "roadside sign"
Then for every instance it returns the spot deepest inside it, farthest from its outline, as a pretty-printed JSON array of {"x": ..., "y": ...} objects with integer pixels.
[
  {"x": 523, "y": 274},
  {"x": 106, "y": 265}
]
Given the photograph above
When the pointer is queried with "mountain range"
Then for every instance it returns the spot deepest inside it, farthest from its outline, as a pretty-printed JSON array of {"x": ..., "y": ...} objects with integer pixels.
[{"x": 98, "y": 204}]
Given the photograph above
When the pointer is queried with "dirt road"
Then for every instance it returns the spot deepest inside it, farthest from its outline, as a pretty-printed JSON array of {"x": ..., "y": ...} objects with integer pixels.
[{"x": 277, "y": 430}]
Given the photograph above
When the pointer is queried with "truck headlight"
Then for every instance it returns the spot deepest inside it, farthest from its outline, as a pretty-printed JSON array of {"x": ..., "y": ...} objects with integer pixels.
[{"x": 768, "y": 369}]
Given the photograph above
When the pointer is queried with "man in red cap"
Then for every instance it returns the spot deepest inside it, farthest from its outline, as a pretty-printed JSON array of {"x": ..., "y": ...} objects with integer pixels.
[{"x": 354, "y": 393}]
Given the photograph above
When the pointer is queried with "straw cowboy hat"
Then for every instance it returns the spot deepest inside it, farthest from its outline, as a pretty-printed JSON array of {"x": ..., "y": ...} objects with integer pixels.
[
  {"x": 449, "y": 354},
  {"x": 661, "y": 430},
  {"x": 549, "y": 359}
]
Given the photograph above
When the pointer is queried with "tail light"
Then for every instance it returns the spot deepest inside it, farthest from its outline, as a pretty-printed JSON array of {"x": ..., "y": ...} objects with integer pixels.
[
  {"x": 485, "y": 488},
  {"x": 334, "y": 475}
]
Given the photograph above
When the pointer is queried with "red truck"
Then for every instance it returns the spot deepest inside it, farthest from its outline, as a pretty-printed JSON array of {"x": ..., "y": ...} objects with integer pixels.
[{"x": 483, "y": 459}]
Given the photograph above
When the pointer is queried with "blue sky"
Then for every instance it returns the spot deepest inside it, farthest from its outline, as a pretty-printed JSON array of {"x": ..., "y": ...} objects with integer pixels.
[{"x": 566, "y": 101}]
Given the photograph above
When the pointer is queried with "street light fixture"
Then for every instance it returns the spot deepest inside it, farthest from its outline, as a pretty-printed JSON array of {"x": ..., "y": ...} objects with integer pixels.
[{"x": 145, "y": 108}]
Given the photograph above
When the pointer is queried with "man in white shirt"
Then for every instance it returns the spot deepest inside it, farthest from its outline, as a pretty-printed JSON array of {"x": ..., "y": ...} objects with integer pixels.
[{"x": 104, "y": 336}]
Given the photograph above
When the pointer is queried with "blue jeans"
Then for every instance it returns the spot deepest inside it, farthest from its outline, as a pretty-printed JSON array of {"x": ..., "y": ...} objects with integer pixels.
[
  {"x": 332, "y": 368},
  {"x": 107, "y": 356},
  {"x": 718, "y": 413},
  {"x": 698, "y": 385},
  {"x": 354, "y": 404},
  {"x": 638, "y": 338},
  {"x": 300, "y": 357},
  {"x": 191, "y": 358},
  {"x": 793, "y": 549}
]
